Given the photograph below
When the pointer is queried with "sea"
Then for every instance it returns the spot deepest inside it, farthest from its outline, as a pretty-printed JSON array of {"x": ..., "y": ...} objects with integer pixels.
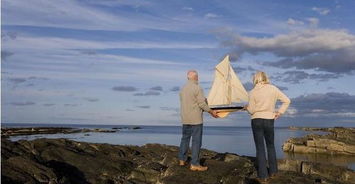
[{"x": 238, "y": 140}]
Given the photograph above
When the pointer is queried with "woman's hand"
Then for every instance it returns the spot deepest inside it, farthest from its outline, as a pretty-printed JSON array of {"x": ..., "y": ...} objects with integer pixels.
[
  {"x": 245, "y": 107},
  {"x": 277, "y": 115}
]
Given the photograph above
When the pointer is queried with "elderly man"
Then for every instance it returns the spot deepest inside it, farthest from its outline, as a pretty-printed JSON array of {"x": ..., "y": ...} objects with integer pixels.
[{"x": 193, "y": 103}]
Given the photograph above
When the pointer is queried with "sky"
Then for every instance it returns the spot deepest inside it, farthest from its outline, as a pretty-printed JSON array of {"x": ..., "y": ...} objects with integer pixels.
[{"x": 124, "y": 62}]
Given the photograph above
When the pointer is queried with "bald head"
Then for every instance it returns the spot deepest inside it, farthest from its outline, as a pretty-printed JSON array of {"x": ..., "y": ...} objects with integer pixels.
[{"x": 192, "y": 75}]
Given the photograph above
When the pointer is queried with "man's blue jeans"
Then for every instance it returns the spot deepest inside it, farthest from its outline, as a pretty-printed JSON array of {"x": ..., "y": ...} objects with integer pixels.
[
  {"x": 263, "y": 129},
  {"x": 188, "y": 131}
]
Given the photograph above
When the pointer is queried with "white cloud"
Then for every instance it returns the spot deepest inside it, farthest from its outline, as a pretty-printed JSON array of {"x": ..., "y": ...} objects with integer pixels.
[
  {"x": 292, "y": 21},
  {"x": 188, "y": 8},
  {"x": 80, "y": 15},
  {"x": 91, "y": 15},
  {"x": 313, "y": 21},
  {"x": 28, "y": 42},
  {"x": 307, "y": 49},
  {"x": 211, "y": 15},
  {"x": 295, "y": 43},
  {"x": 321, "y": 11}
]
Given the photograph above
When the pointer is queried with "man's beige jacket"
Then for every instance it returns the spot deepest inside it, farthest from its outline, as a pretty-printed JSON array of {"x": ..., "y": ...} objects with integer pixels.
[{"x": 192, "y": 103}]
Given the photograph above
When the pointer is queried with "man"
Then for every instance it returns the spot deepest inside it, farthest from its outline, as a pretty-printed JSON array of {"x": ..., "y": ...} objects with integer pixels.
[{"x": 192, "y": 104}]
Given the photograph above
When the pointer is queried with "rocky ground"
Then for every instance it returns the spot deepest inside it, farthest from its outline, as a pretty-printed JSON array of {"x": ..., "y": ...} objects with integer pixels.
[
  {"x": 338, "y": 141},
  {"x": 65, "y": 161}
]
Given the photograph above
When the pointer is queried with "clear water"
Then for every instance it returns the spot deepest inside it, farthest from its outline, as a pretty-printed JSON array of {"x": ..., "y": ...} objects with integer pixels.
[{"x": 237, "y": 140}]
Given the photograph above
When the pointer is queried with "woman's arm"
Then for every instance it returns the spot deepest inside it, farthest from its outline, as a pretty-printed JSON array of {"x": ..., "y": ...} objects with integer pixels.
[
  {"x": 285, "y": 101},
  {"x": 251, "y": 104}
]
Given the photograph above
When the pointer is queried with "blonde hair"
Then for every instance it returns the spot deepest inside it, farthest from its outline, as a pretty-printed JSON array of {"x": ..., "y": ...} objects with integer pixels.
[{"x": 260, "y": 77}]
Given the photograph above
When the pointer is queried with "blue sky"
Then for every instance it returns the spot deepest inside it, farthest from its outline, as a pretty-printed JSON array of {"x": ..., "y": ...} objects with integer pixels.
[{"x": 122, "y": 62}]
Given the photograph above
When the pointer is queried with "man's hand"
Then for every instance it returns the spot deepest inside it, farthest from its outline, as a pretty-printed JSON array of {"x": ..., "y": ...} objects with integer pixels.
[
  {"x": 213, "y": 113},
  {"x": 277, "y": 115}
]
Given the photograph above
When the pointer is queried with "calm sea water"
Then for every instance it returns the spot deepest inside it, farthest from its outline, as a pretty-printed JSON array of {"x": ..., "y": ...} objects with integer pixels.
[{"x": 237, "y": 140}]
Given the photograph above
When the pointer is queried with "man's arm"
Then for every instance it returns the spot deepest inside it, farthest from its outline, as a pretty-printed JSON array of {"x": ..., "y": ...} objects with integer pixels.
[{"x": 201, "y": 101}]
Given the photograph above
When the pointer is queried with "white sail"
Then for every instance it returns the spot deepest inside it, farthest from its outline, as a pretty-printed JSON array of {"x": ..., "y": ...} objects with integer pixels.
[{"x": 226, "y": 88}]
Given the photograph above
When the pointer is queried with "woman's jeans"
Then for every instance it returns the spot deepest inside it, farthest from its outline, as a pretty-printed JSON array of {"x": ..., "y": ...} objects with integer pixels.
[
  {"x": 263, "y": 129},
  {"x": 188, "y": 131}
]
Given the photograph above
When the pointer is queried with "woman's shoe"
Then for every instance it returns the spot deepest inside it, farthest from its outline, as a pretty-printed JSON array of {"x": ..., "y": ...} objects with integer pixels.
[{"x": 273, "y": 175}]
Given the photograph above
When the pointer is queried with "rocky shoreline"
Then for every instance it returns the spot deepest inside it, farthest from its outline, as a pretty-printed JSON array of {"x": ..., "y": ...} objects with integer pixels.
[
  {"x": 339, "y": 140},
  {"x": 64, "y": 161}
]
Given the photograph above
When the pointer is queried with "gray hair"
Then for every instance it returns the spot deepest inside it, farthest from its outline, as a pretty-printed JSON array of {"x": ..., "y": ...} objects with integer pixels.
[{"x": 191, "y": 74}]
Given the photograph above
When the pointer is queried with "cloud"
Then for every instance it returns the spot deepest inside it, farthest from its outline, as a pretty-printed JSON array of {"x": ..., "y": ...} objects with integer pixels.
[
  {"x": 124, "y": 88},
  {"x": 188, "y": 9},
  {"x": 144, "y": 106},
  {"x": 318, "y": 49},
  {"x": 48, "y": 104},
  {"x": 156, "y": 88},
  {"x": 295, "y": 77},
  {"x": 282, "y": 88},
  {"x": 88, "y": 47},
  {"x": 5, "y": 55},
  {"x": 90, "y": 15},
  {"x": 240, "y": 69},
  {"x": 148, "y": 93},
  {"x": 71, "y": 105},
  {"x": 17, "y": 80},
  {"x": 291, "y": 21},
  {"x": 313, "y": 21},
  {"x": 169, "y": 109},
  {"x": 22, "y": 103},
  {"x": 248, "y": 86},
  {"x": 324, "y": 104},
  {"x": 175, "y": 88},
  {"x": 9, "y": 35},
  {"x": 71, "y": 14},
  {"x": 321, "y": 11},
  {"x": 211, "y": 15},
  {"x": 88, "y": 52},
  {"x": 130, "y": 110},
  {"x": 37, "y": 78},
  {"x": 89, "y": 99}
]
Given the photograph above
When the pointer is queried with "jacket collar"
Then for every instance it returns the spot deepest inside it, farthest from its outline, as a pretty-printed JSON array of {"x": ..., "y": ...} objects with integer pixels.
[{"x": 192, "y": 81}]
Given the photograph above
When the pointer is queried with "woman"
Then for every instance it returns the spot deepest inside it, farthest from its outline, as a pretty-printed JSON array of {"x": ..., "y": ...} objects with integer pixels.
[{"x": 261, "y": 107}]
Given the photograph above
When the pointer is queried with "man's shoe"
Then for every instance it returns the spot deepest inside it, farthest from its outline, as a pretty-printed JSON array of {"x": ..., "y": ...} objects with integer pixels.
[
  {"x": 262, "y": 180},
  {"x": 182, "y": 163},
  {"x": 198, "y": 168}
]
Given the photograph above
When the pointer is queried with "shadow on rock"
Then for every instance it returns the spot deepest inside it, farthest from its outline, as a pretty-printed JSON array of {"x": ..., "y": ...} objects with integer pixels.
[{"x": 67, "y": 173}]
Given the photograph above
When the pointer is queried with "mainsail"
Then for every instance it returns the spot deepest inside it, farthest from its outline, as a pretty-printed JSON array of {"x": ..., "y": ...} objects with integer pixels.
[{"x": 226, "y": 89}]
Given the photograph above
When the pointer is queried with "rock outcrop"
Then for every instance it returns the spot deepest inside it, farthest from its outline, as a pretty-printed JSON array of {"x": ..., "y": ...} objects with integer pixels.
[
  {"x": 334, "y": 173},
  {"x": 64, "y": 161},
  {"x": 338, "y": 141}
]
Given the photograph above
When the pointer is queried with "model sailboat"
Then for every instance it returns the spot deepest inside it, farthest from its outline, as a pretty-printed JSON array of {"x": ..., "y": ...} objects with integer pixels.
[{"x": 227, "y": 93}]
